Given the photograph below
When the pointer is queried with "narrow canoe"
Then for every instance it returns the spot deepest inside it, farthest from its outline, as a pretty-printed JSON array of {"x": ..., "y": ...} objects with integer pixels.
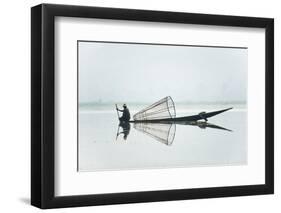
[{"x": 197, "y": 117}]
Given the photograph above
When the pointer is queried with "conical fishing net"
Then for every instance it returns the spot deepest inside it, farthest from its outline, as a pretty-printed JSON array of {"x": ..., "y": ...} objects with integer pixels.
[{"x": 162, "y": 109}]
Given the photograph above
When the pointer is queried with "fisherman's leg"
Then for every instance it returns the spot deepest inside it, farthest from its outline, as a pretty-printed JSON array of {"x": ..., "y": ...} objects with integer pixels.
[{"x": 202, "y": 116}]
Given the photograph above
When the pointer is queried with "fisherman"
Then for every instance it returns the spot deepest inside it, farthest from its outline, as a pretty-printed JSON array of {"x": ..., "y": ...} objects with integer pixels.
[{"x": 126, "y": 113}]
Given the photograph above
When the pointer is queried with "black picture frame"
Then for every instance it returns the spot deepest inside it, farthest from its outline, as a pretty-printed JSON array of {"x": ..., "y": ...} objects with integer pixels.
[{"x": 43, "y": 102}]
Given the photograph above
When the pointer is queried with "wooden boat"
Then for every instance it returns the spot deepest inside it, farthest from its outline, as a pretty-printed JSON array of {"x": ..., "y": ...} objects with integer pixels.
[
  {"x": 159, "y": 121},
  {"x": 164, "y": 111},
  {"x": 200, "y": 116}
]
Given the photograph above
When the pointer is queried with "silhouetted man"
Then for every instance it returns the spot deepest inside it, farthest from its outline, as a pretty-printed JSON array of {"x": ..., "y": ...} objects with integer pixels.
[{"x": 126, "y": 113}]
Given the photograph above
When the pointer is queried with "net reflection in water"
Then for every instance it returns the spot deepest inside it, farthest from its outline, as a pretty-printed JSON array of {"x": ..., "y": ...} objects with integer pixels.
[{"x": 164, "y": 133}]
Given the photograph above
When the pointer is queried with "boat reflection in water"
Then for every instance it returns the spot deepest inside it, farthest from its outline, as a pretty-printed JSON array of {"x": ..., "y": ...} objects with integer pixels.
[{"x": 163, "y": 132}]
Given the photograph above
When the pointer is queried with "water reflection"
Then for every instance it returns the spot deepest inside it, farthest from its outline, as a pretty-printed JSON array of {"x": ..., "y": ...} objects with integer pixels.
[
  {"x": 202, "y": 125},
  {"x": 163, "y": 132},
  {"x": 126, "y": 127}
]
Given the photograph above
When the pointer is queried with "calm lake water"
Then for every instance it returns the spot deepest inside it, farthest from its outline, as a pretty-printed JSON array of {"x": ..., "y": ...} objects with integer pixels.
[{"x": 144, "y": 148}]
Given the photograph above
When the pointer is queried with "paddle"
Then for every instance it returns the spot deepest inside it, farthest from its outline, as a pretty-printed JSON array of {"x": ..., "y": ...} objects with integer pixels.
[
  {"x": 118, "y": 119},
  {"x": 117, "y": 111}
]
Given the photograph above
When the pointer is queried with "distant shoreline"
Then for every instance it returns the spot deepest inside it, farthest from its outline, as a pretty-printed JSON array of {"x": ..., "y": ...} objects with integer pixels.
[
  {"x": 149, "y": 103},
  {"x": 180, "y": 108}
]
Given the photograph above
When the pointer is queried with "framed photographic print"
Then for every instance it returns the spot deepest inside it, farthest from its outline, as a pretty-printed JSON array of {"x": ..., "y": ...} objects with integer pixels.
[{"x": 139, "y": 106}]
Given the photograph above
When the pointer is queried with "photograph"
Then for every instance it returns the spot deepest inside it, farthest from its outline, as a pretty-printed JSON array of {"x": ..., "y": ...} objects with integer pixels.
[{"x": 160, "y": 106}]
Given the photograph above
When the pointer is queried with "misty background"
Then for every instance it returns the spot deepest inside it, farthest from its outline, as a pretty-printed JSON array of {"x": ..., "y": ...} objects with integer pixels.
[
  {"x": 140, "y": 73},
  {"x": 199, "y": 79}
]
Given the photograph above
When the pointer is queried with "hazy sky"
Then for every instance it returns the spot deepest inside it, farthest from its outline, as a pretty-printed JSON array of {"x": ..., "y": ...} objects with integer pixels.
[{"x": 115, "y": 72}]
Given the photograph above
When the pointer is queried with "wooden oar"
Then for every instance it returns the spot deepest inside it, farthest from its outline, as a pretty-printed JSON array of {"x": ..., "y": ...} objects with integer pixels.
[
  {"x": 118, "y": 119},
  {"x": 117, "y": 111}
]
